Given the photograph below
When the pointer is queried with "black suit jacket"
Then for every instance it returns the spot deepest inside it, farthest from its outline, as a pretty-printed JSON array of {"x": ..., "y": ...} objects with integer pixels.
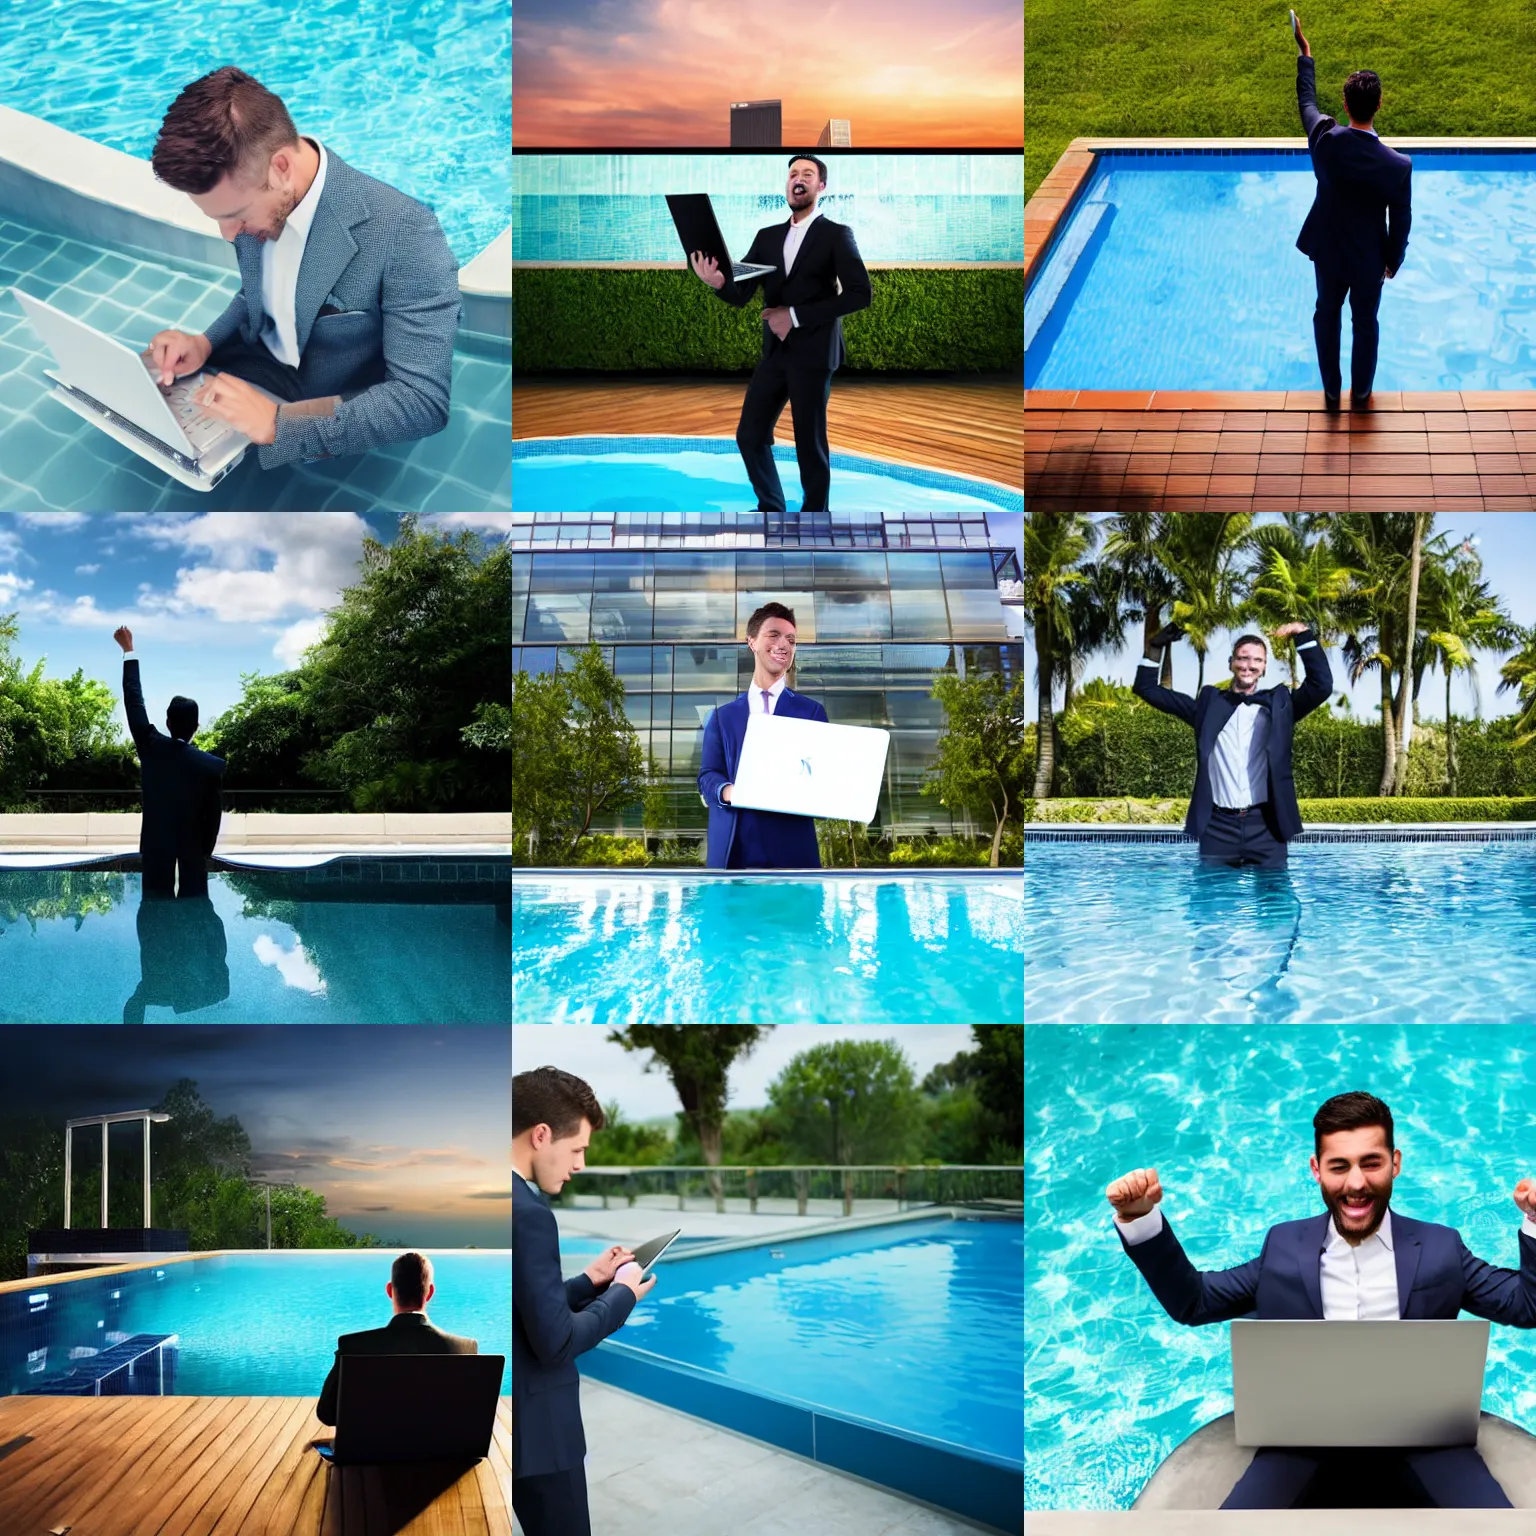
[
  {"x": 553, "y": 1321},
  {"x": 1209, "y": 713},
  {"x": 180, "y": 783},
  {"x": 828, "y": 256},
  {"x": 1359, "y": 219},
  {"x": 407, "y": 1333}
]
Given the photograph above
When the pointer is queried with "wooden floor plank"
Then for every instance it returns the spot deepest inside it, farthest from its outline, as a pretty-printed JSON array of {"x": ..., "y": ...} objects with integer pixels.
[{"x": 973, "y": 426}]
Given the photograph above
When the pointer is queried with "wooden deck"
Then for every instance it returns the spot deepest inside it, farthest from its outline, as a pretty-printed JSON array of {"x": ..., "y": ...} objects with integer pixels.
[
  {"x": 224, "y": 1466},
  {"x": 970, "y": 426},
  {"x": 1112, "y": 451}
]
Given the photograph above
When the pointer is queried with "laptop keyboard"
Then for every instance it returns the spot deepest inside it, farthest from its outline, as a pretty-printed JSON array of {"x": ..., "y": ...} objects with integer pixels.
[
  {"x": 740, "y": 269},
  {"x": 200, "y": 427}
]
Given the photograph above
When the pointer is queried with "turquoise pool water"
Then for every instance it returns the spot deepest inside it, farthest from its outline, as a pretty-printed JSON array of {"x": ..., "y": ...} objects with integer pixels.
[
  {"x": 81, "y": 947},
  {"x": 234, "y": 1340},
  {"x": 612, "y": 207},
  {"x": 690, "y": 949},
  {"x": 1225, "y": 1115},
  {"x": 51, "y": 460},
  {"x": 915, "y": 1326},
  {"x": 665, "y": 474},
  {"x": 1380, "y": 931},
  {"x": 417, "y": 95}
]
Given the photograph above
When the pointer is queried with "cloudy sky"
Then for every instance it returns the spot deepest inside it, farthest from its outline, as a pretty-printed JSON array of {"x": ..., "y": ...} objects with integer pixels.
[
  {"x": 905, "y": 73},
  {"x": 207, "y": 596},
  {"x": 617, "y": 1074},
  {"x": 404, "y": 1131}
]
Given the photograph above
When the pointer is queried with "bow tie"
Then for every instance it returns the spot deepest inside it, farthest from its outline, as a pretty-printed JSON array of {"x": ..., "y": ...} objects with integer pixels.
[{"x": 1248, "y": 698}]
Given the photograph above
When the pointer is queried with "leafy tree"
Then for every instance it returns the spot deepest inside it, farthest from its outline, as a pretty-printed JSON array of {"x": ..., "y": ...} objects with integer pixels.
[
  {"x": 849, "y": 1101},
  {"x": 622, "y": 1143},
  {"x": 1055, "y": 546},
  {"x": 981, "y": 760}
]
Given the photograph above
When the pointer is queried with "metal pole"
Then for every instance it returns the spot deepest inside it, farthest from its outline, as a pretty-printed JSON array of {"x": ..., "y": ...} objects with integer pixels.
[
  {"x": 147, "y": 1222},
  {"x": 103, "y": 1175},
  {"x": 69, "y": 1147}
]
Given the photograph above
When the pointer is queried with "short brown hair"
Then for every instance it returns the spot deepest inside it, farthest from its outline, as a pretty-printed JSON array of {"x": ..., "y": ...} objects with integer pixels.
[
  {"x": 768, "y": 611},
  {"x": 1243, "y": 640},
  {"x": 560, "y": 1100},
  {"x": 226, "y": 121},
  {"x": 1350, "y": 1112},
  {"x": 411, "y": 1276}
]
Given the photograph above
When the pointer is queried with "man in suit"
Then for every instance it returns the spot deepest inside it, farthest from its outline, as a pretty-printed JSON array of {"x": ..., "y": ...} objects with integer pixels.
[
  {"x": 1243, "y": 810},
  {"x": 818, "y": 278},
  {"x": 408, "y": 1332},
  {"x": 1355, "y": 1261},
  {"x": 1356, "y": 232},
  {"x": 553, "y": 1116},
  {"x": 180, "y": 789},
  {"x": 349, "y": 294},
  {"x": 747, "y": 839}
]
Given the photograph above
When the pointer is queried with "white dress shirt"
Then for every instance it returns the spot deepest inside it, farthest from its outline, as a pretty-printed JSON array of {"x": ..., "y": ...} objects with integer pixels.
[
  {"x": 755, "y": 704},
  {"x": 794, "y": 237},
  {"x": 1240, "y": 761},
  {"x": 280, "y": 263}
]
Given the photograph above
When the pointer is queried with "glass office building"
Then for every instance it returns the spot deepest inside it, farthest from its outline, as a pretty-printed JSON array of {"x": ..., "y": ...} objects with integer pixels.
[{"x": 882, "y": 605}]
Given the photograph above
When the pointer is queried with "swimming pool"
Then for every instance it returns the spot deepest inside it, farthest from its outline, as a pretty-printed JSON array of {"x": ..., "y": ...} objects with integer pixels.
[
  {"x": 606, "y": 948},
  {"x": 1178, "y": 270},
  {"x": 404, "y": 93},
  {"x": 1352, "y": 932},
  {"x": 257, "y": 1324},
  {"x": 612, "y": 207},
  {"x": 1225, "y": 1117},
  {"x": 51, "y": 460},
  {"x": 665, "y": 474},
  {"x": 266, "y": 947}
]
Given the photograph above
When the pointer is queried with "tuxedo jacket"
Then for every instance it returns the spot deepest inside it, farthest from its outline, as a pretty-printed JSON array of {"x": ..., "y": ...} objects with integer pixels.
[
  {"x": 1364, "y": 204},
  {"x": 778, "y": 841},
  {"x": 1436, "y": 1276},
  {"x": 553, "y": 1321},
  {"x": 180, "y": 783},
  {"x": 1209, "y": 713},
  {"x": 828, "y": 256},
  {"x": 407, "y": 1333}
]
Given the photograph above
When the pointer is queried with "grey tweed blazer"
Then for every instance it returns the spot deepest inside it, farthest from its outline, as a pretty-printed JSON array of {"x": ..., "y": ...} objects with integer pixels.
[{"x": 379, "y": 260}]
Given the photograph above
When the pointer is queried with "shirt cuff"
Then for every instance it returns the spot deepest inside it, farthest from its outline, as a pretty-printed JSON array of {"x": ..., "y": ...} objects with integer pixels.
[
  {"x": 130, "y": 655},
  {"x": 1150, "y": 661},
  {"x": 720, "y": 798},
  {"x": 1142, "y": 1229},
  {"x": 792, "y": 319},
  {"x": 1528, "y": 1228},
  {"x": 1301, "y": 645}
]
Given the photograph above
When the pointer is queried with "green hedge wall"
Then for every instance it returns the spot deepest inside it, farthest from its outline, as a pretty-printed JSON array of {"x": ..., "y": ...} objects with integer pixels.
[
  {"x": 1313, "y": 812},
  {"x": 920, "y": 319},
  {"x": 1135, "y": 750}
]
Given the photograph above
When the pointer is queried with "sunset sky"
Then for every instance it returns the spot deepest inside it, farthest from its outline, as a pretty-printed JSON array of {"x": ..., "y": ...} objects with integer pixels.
[{"x": 664, "y": 72}]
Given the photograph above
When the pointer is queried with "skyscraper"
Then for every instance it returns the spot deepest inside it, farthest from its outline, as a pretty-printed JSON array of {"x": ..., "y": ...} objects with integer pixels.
[
  {"x": 838, "y": 134},
  {"x": 757, "y": 125}
]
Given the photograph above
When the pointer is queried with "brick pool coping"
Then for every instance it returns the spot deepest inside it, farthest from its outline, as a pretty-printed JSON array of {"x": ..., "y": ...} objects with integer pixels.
[{"x": 1265, "y": 450}]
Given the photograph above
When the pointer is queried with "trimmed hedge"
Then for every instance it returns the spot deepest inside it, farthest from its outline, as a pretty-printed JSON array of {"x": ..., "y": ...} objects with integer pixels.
[
  {"x": 919, "y": 320},
  {"x": 1390, "y": 812}
]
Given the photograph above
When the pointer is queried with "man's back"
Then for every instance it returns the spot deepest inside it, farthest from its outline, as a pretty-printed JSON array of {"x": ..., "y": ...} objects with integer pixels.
[
  {"x": 407, "y": 1333},
  {"x": 180, "y": 783}
]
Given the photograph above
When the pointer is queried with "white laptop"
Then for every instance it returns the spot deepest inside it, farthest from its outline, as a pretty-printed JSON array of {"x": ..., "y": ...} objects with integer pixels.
[
  {"x": 810, "y": 768},
  {"x": 1345, "y": 1383},
  {"x": 115, "y": 388}
]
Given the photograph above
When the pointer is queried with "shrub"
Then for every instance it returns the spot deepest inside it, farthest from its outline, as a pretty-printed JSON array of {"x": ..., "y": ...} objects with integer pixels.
[{"x": 1373, "y": 809}]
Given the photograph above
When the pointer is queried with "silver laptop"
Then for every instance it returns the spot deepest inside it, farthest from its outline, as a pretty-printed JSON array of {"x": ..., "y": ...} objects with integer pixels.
[
  {"x": 115, "y": 388},
  {"x": 810, "y": 768},
  {"x": 1309, "y": 1382}
]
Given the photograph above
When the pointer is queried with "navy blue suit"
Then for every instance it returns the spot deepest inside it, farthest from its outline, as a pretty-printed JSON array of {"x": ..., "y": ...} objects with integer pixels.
[
  {"x": 1437, "y": 1277},
  {"x": 180, "y": 794},
  {"x": 553, "y": 1321},
  {"x": 748, "y": 839},
  {"x": 1355, "y": 232},
  {"x": 1208, "y": 715}
]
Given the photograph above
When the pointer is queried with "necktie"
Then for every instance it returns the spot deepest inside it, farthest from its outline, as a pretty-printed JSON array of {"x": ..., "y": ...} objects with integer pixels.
[{"x": 767, "y": 701}]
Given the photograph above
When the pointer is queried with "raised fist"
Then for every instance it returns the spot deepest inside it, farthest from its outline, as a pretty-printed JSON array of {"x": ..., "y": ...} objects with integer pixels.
[
  {"x": 1165, "y": 636},
  {"x": 1525, "y": 1197},
  {"x": 1135, "y": 1193}
]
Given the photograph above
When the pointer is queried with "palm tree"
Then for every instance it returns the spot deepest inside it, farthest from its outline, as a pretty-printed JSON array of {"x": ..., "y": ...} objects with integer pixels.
[
  {"x": 1134, "y": 548},
  {"x": 1415, "y": 560},
  {"x": 1055, "y": 544},
  {"x": 1519, "y": 672},
  {"x": 1098, "y": 614},
  {"x": 1301, "y": 576},
  {"x": 1204, "y": 554}
]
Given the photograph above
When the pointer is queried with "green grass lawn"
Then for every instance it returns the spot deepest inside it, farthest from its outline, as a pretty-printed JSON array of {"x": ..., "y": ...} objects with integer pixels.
[{"x": 1203, "y": 68}]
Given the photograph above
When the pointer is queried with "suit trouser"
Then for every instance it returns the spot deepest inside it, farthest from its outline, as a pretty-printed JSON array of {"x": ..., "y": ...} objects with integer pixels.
[
  {"x": 554, "y": 1504},
  {"x": 807, "y": 391},
  {"x": 159, "y": 868},
  {"x": 1452, "y": 1477},
  {"x": 256, "y": 365},
  {"x": 1241, "y": 837},
  {"x": 1364, "y": 293}
]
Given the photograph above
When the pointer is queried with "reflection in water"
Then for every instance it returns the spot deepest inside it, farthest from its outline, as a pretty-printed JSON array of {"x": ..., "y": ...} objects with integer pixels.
[
  {"x": 1244, "y": 925},
  {"x": 293, "y": 965},
  {"x": 183, "y": 957}
]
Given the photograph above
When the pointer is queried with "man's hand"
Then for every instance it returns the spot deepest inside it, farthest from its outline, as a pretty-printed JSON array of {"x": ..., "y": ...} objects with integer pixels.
[
  {"x": 124, "y": 637},
  {"x": 603, "y": 1268},
  {"x": 707, "y": 268},
  {"x": 246, "y": 409},
  {"x": 1137, "y": 1192},
  {"x": 174, "y": 353},
  {"x": 1388, "y": 275},
  {"x": 1525, "y": 1197},
  {"x": 1301, "y": 41},
  {"x": 1295, "y": 627},
  {"x": 778, "y": 321},
  {"x": 1166, "y": 636},
  {"x": 725, "y": 794},
  {"x": 629, "y": 1274}
]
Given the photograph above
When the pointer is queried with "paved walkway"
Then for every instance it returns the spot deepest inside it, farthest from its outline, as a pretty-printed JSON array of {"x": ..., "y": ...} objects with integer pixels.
[{"x": 650, "y": 1467}]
